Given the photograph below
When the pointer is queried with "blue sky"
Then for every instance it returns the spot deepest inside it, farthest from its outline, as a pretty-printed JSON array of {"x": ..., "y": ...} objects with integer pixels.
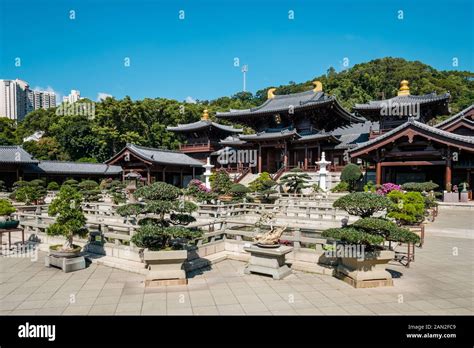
[{"x": 194, "y": 57}]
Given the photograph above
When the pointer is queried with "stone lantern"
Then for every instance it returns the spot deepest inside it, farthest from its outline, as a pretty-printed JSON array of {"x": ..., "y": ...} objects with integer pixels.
[
  {"x": 208, "y": 166},
  {"x": 323, "y": 171}
]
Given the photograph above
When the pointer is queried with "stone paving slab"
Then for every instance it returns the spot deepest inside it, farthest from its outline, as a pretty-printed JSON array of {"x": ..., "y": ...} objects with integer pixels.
[{"x": 439, "y": 282}]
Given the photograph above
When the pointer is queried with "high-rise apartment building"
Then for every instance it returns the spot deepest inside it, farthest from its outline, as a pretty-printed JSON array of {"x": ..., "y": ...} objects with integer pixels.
[
  {"x": 73, "y": 97},
  {"x": 17, "y": 99}
]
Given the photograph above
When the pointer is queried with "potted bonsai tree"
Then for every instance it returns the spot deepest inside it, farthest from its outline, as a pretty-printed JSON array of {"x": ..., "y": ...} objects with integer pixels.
[
  {"x": 6, "y": 209},
  {"x": 295, "y": 181},
  {"x": 361, "y": 251},
  {"x": 163, "y": 235},
  {"x": 221, "y": 185},
  {"x": 70, "y": 221},
  {"x": 263, "y": 187}
]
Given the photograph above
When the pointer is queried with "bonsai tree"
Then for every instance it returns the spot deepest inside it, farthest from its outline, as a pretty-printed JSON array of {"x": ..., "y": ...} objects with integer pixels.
[
  {"x": 71, "y": 182},
  {"x": 220, "y": 182},
  {"x": 295, "y": 180},
  {"x": 363, "y": 204},
  {"x": 420, "y": 186},
  {"x": 351, "y": 174},
  {"x": 6, "y": 208},
  {"x": 115, "y": 188},
  {"x": 90, "y": 190},
  {"x": 239, "y": 192},
  {"x": 70, "y": 219},
  {"x": 198, "y": 190},
  {"x": 342, "y": 186},
  {"x": 387, "y": 188},
  {"x": 164, "y": 220},
  {"x": 369, "y": 187},
  {"x": 406, "y": 208},
  {"x": 53, "y": 186},
  {"x": 263, "y": 186},
  {"x": 368, "y": 231},
  {"x": 29, "y": 192}
]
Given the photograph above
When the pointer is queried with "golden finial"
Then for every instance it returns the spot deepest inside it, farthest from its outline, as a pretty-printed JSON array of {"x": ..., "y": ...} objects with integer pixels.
[
  {"x": 205, "y": 115},
  {"x": 270, "y": 94},
  {"x": 404, "y": 89},
  {"x": 318, "y": 86}
]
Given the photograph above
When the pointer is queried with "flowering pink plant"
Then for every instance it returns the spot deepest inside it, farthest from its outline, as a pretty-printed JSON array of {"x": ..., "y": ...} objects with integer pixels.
[
  {"x": 199, "y": 185},
  {"x": 387, "y": 188}
]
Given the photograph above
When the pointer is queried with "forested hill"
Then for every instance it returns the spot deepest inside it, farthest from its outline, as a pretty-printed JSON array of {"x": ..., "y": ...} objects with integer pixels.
[{"x": 116, "y": 122}]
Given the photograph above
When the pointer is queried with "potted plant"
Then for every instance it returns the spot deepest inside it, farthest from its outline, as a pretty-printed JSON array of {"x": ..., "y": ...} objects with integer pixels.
[
  {"x": 6, "y": 209},
  {"x": 198, "y": 190},
  {"x": 221, "y": 185},
  {"x": 239, "y": 192},
  {"x": 295, "y": 181},
  {"x": 263, "y": 187},
  {"x": 163, "y": 235},
  {"x": 29, "y": 192},
  {"x": 360, "y": 250},
  {"x": 407, "y": 208},
  {"x": 70, "y": 221}
]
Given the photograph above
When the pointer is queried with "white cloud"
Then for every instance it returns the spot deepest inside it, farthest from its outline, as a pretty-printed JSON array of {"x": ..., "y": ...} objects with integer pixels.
[
  {"x": 190, "y": 100},
  {"x": 102, "y": 96}
]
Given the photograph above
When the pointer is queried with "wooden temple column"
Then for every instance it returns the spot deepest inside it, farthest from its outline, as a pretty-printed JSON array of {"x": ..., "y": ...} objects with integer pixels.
[
  {"x": 448, "y": 174},
  {"x": 285, "y": 156},
  {"x": 259, "y": 158},
  {"x": 378, "y": 173},
  {"x": 306, "y": 157}
]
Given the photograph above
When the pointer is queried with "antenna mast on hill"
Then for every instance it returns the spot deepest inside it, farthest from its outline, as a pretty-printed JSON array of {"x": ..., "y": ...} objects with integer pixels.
[{"x": 245, "y": 68}]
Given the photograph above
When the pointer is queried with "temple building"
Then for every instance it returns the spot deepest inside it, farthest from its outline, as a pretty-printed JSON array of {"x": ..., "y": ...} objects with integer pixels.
[
  {"x": 202, "y": 137},
  {"x": 407, "y": 149},
  {"x": 293, "y": 130},
  {"x": 151, "y": 164}
]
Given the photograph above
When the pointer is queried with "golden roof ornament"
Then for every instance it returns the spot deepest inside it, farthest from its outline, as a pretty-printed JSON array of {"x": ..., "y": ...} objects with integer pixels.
[
  {"x": 205, "y": 115},
  {"x": 404, "y": 89},
  {"x": 270, "y": 94},
  {"x": 318, "y": 86}
]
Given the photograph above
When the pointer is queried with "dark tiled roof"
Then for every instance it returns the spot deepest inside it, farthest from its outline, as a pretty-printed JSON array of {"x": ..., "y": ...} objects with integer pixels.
[
  {"x": 412, "y": 123},
  {"x": 317, "y": 136},
  {"x": 15, "y": 154},
  {"x": 203, "y": 124},
  {"x": 164, "y": 156},
  {"x": 455, "y": 117},
  {"x": 406, "y": 99},
  {"x": 78, "y": 168},
  {"x": 271, "y": 135},
  {"x": 232, "y": 140},
  {"x": 283, "y": 103}
]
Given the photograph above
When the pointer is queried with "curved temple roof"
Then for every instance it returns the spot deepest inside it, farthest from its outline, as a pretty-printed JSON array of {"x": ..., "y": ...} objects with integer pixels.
[
  {"x": 15, "y": 154},
  {"x": 201, "y": 124},
  {"x": 455, "y": 117},
  {"x": 158, "y": 156},
  {"x": 295, "y": 101},
  {"x": 78, "y": 168}
]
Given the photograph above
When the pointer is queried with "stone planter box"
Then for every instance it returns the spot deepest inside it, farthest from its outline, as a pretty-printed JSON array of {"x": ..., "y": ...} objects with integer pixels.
[
  {"x": 464, "y": 197},
  {"x": 165, "y": 267},
  {"x": 366, "y": 272},
  {"x": 452, "y": 197}
]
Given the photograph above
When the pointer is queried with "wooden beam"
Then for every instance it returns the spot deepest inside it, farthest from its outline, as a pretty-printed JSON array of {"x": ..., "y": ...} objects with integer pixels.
[{"x": 412, "y": 163}]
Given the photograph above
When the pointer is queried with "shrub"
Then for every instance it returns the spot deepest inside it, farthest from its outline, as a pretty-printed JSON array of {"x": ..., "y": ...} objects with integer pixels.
[
  {"x": 387, "y": 188},
  {"x": 239, "y": 191},
  {"x": 86, "y": 185},
  {"x": 406, "y": 208},
  {"x": 295, "y": 180},
  {"x": 160, "y": 230},
  {"x": 342, "y": 186},
  {"x": 370, "y": 187},
  {"x": 259, "y": 183},
  {"x": 363, "y": 204},
  {"x": 6, "y": 207},
  {"x": 70, "y": 219},
  {"x": 351, "y": 174},
  {"x": 29, "y": 192},
  {"x": 220, "y": 182},
  {"x": 198, "y": 190},
  {"x": 71, "y": 182},
  {"x": 53, "y": 186},
  {"x": 420, "y": 186}
]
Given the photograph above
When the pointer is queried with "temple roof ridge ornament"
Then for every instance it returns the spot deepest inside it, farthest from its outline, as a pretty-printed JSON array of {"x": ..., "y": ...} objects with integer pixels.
[
  {"x": 205, "y": 115},
  {"x": 404, "y": 88},
  {"x": 318, "y": 86},
  {"x": 270, "y": 93}
]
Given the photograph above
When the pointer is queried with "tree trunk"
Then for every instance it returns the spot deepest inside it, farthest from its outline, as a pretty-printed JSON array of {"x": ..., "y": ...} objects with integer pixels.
[{"x": 68, "y": 243}]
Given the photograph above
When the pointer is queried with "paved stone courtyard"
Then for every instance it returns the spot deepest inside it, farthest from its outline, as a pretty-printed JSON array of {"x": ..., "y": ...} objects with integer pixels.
[{"x": 440, "y": 281}]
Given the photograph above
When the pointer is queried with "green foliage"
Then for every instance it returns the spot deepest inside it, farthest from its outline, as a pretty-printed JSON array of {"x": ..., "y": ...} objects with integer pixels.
[
  {"x": 6, "y": 207},
  {"x": 352, "y": 235},
  {"x": 295, "y": 180},
  {"x": 70, "y": 219},
  {"x": 387, "y": 229},
  {"x": 239, "y": 191},
  {"x": 29, "y": 192},
  {"x": 53, "y": 186},
  {"x": 363, "y": 204},
  {"x": 221, "y": 182},
  {"x": 342, "y": 186},
  {"x": 3, "y": 187},
  {"x": 259, "y": 183},
  {"x": 71, "y": 182},
  {"x": 200, "y": 192},
  {"x": 164, "y": 226},
  {"x": 370, "y": 187},
  {"x": 420, "y": 186},
  {"x": 351, "y": 174},
  {"x": 406, "y": 208},
  {"x": 7, "y": 131}
]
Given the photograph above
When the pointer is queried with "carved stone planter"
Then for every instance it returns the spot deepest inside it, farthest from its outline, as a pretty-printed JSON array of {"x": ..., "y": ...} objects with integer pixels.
[
  {"x": 368, "y": 271},
  {"x": 165, "y": 267},
  {"x": 452, "y": 197},
  {"x": 269, "y": 261}
]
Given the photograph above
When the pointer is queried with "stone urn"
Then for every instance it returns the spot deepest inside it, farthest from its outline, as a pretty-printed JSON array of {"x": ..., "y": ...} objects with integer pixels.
[
  {"x": 165, "y": 267},
  {"x": 366, "y": 271}
]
